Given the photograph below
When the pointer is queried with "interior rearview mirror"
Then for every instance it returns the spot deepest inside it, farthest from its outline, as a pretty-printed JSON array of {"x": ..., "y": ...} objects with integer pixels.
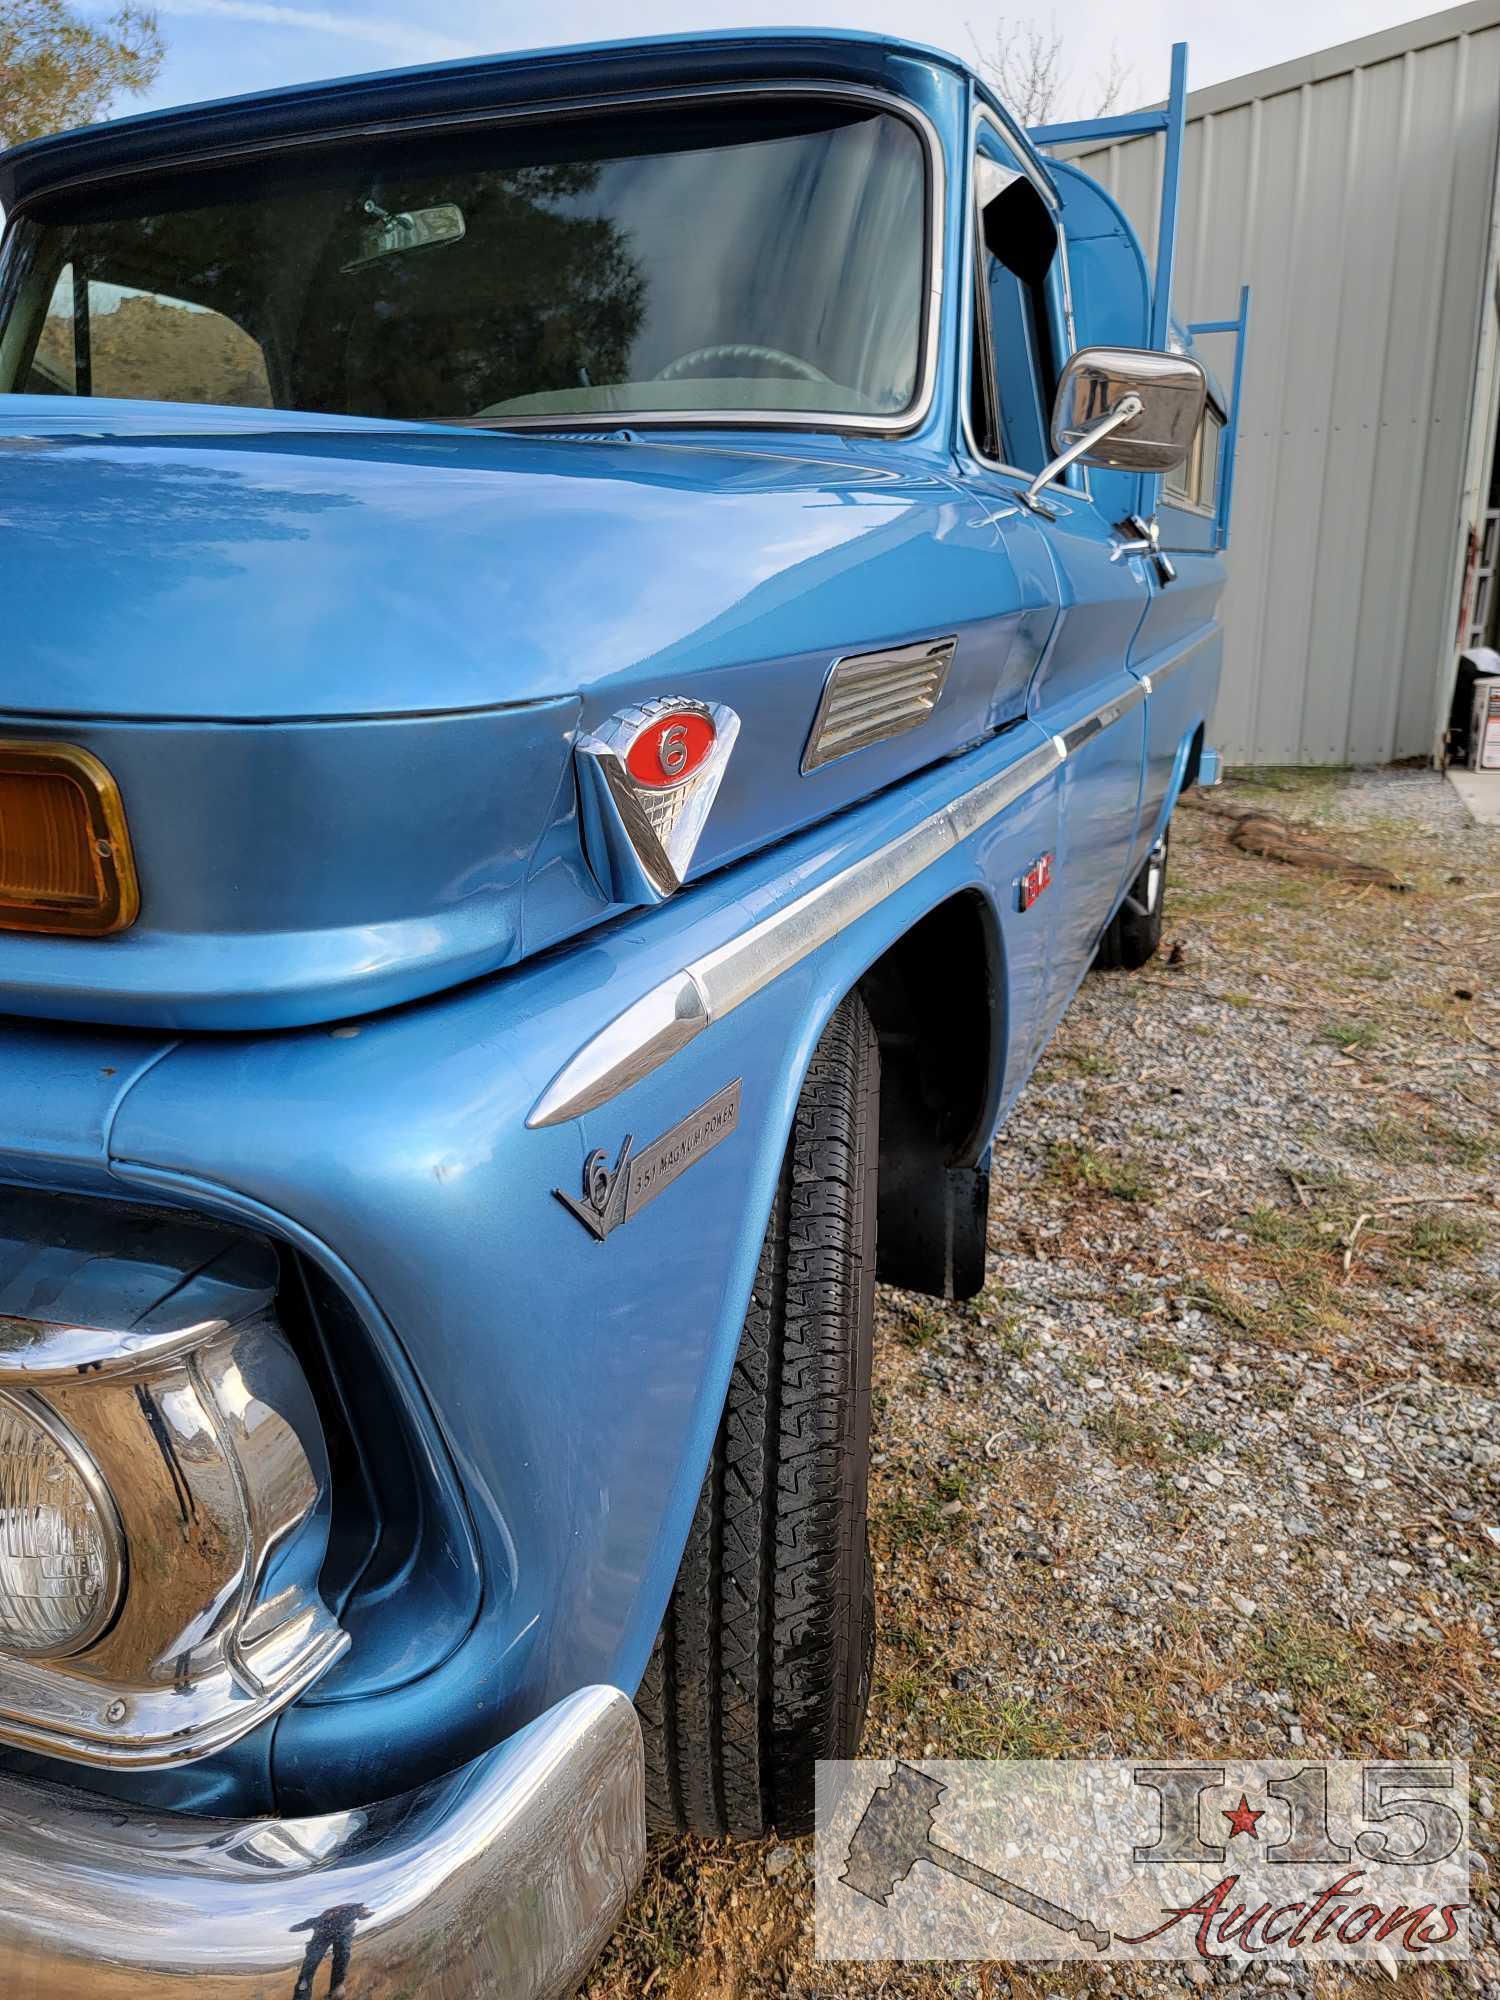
[
  {"x": 416, "y": 229},
  {"x": 1170, "y": 388}
]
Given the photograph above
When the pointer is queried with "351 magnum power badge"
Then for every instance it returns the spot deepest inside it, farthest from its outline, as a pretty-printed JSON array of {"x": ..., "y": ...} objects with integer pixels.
[{"x": 612, "y": 1195}]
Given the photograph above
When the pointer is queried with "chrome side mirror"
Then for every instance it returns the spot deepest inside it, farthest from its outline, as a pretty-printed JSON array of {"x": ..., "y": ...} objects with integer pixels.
[{"x": 1129, "y": 408}]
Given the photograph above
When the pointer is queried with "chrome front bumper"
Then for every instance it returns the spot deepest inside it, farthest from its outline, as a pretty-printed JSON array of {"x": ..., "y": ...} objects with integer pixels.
[{"x": 503, "y": 1879}]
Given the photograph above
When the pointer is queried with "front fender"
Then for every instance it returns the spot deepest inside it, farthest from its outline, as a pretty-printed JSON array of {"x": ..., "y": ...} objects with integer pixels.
[{"x": 576, "y": 1383}]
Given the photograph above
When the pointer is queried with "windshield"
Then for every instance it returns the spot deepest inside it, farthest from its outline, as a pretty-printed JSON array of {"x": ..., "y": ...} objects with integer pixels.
[{"x": 765, "y": 257}]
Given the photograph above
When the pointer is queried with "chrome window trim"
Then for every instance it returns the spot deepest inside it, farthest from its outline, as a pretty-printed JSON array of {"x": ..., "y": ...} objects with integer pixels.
[
  {"x": 987, "y": 106},
  {"x": 1020, "y": 145},
  {"x": 981, "y": 115},
  {"x": 930, "y": 314}
]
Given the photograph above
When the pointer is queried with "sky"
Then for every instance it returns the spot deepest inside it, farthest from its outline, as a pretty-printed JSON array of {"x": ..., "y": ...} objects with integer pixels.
[{"x": 217, "y": 48}]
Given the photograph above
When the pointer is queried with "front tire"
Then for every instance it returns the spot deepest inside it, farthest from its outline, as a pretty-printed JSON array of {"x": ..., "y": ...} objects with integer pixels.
[
  {"x": 1133, "y": 934},
  {"x": 764, "y": 1658}
]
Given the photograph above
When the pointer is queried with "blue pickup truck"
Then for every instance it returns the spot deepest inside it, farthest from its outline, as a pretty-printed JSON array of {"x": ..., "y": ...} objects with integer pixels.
[{"x": 595, "y": 644}]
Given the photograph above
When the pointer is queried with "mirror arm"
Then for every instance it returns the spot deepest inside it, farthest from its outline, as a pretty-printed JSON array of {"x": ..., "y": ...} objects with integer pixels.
[{"x": 1125, "y": 411}]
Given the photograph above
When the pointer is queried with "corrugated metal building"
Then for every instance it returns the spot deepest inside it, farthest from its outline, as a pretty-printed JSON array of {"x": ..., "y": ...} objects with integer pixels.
[{"x": 1356, "y": 191}]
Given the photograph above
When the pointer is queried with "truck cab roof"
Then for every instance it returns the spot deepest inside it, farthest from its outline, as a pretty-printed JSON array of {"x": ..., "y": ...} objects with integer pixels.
[{"x": 351, "y": 105}]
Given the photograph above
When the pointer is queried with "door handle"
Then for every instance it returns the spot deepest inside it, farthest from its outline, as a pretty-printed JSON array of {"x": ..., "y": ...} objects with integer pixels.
[
  {"x": 1142, "y": 538},
  {"x": 1140, "y": 547}
]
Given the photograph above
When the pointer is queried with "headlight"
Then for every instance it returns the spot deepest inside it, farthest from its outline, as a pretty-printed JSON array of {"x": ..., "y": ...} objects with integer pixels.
[
  {"x": 60, "y": 1555},
  {"x": 164, "y": 1495}
]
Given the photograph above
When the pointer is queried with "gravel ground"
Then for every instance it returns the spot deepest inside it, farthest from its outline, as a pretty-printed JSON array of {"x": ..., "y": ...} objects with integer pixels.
[
  {"x": 1416, "y": 797},
  {"x": 1213, "y": 1463}
]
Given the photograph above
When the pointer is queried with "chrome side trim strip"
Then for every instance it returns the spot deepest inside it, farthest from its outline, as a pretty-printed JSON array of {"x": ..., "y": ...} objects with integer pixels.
[
  {"x": 673, "y": 1012},
  {"x": 635, "y": 1043},
  {"x": 1103, "y": 718},
  {"x": 504, "y": 1877},
  {"x": 1178, "y": 660},
  {"x": 711, "y": 987}
]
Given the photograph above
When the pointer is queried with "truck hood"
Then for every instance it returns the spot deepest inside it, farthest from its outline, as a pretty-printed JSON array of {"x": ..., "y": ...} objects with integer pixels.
[
  {"x": 165, "y": 563},
  {"x": 337, "y": 668}
]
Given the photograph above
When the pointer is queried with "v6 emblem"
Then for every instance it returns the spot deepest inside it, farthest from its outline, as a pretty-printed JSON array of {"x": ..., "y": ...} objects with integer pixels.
[
  {"x": 613, "y": 1194},
  {"x": 602, "y": 1205}
]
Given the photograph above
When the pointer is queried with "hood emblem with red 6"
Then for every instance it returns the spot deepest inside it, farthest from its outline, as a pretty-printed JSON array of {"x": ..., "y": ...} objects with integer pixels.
[{"x": 647, "y": 780}]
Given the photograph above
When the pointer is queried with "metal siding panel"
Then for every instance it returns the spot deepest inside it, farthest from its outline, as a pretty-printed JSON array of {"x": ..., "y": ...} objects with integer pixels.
[
  {"x": 1224, "y": 266},
  {"x": 1336, "y": 703},
  {"x": 1328, "y": 554},
  {"x": 1394, "y": 309},
  {"x": 1399, "y": 523},
  {"x": 1278, "y": 659},
  {"x": 1357, "y": 204},
  {"x": 1429, "y": 642}
]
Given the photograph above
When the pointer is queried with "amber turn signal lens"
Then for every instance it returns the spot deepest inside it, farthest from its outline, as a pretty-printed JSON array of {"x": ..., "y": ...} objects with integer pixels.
[{"x": 65, "y": 860}]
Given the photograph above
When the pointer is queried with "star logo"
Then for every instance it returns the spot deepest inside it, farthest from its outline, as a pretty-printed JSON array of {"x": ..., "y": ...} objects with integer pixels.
[{"x": 1242, "y": 1819}]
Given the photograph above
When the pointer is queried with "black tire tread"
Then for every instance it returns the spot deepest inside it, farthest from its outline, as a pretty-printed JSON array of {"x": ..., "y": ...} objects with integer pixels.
[
  {"x": 1132, "y": 937},
  {"x": 762, "y": 1663}
]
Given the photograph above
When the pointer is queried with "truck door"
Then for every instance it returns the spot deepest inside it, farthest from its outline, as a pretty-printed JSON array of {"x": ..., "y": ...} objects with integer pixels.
[
  {"x": 1177, "y": 648},
  {"x": 1180, "y": 646},
  {"x": 1117, "y": 302},
  {"x": 1083, "y": 690}
]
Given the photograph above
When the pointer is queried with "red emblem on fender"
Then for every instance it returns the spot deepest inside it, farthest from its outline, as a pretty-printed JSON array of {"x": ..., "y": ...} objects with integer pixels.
[
  {"x": 647, "y": 780},
  {"x": 1037, "y": 878},
  {"x": 670, "y": 748}
]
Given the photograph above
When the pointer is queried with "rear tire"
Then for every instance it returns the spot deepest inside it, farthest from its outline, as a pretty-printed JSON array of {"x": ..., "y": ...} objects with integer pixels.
[
  {"x": 1133, "y": 934},
  {"x": 764, "y": 1658}
]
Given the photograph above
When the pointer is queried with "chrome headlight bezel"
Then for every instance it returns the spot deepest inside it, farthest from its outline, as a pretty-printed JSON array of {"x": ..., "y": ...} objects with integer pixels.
[{"x": 200, "y": 1434}]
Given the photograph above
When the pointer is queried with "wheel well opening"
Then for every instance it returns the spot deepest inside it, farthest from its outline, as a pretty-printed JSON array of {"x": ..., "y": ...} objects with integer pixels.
[
  {"x": 1194, "y": 760},
  {"x": 934, "y": 998}
]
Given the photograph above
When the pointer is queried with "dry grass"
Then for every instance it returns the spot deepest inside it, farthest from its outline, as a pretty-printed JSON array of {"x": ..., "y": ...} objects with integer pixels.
[{"x": 987, "y": 1508}]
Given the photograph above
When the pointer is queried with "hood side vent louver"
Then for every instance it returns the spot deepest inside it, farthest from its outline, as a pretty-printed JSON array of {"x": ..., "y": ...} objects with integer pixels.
[{"x": 871, "y": 696}]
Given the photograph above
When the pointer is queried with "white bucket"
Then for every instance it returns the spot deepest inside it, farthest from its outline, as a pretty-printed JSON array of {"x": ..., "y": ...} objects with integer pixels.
[{"x": 1484, "y": 730}]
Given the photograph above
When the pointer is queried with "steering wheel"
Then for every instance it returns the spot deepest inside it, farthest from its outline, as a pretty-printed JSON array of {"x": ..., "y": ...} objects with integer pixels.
[{"x": 685, "y": 364}]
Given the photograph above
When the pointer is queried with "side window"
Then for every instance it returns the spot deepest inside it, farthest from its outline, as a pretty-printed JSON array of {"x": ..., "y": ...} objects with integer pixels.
[
  {"x": 1211, "y": 433},
  {"x": 52, "y": 371},
  {"x": 147, "y": 344},
  {"x": 116, "y": 340},
  {"x": 1182, "y": 482},
  {"x": 1015, "y": 250},
  {"x": 1195, "y": 483}
]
